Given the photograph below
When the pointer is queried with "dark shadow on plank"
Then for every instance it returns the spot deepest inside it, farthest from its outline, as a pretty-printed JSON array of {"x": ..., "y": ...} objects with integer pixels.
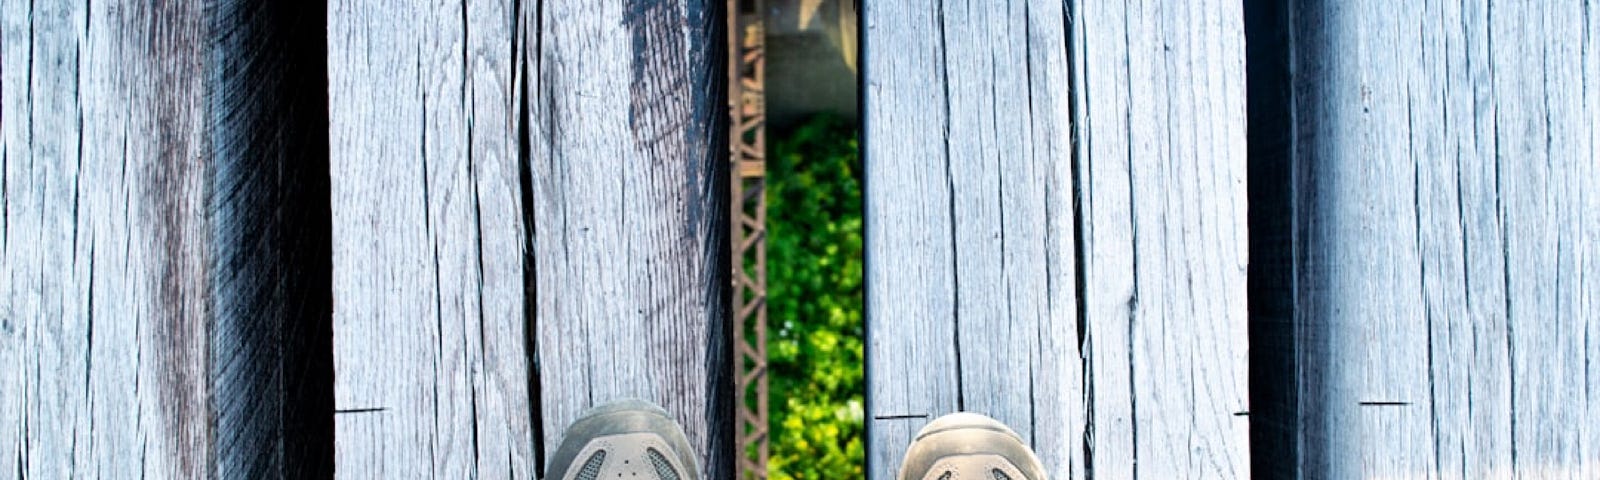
[
  {"x": 270, "y": 257},
  {"x": 1274, "y": 411}
]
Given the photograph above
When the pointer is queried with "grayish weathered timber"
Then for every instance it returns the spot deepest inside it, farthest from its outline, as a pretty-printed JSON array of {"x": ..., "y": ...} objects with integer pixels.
[
  {"x": 627, "y": 149},
  {"x": 102, "y": 329},
  {"x": 432, "y": 372},
  {"x": 160, "y": 314},
  {"x": 528, "y": 223},
  {"x": 1056, "y": 230},
  {"x": 1446, "y": 238}
]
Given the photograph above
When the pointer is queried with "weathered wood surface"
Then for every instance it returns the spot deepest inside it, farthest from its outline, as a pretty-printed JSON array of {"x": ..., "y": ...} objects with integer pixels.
[
  {"x": 1055, "y": 230},
  {"x": 432, "y": 370},
  {"x": 1445, "y": 238},
  {"x": 628, "y": 156},
  {"x": 1162, "y": 182},
  {"x": 157, "y": 309},
  {"x": 528, "y": 222},
  {"x": 103, "y": 318}
]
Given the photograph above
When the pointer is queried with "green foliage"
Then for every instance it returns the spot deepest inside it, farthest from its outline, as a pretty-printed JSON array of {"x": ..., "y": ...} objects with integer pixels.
[{"x": 814, "y": 303}]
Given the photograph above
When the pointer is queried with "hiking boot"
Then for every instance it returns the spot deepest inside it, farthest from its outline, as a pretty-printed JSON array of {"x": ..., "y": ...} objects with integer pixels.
[
  {"x": 630, "y": 439},
  {"x": 969, "y": 446}
]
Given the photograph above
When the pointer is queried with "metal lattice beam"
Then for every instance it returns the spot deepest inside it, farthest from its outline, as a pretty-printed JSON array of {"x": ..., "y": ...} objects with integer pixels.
[{"x": 747, "y": 141}]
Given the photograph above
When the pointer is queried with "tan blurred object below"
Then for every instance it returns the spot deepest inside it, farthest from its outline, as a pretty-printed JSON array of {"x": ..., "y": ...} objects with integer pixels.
[
  {"x": 840, "y": 28},
  {"x": 811, "y": 60}
]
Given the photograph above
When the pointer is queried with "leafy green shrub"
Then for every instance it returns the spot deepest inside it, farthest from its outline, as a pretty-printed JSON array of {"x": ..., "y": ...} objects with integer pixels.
[{"x": 814, "y": 302}]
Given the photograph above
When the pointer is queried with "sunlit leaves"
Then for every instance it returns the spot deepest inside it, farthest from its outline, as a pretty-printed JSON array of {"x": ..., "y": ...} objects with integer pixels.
[{"x": 814, "y": 304}]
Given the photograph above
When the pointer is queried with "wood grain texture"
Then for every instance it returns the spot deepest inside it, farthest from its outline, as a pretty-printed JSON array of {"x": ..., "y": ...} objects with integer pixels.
[
  {"x": 1162, "y": 178},
  {"x": 432, "y": 373},
  {"x": 529, "y": 216},
  {"x": 1055, "y": 230},
  {"x": 628, "y": 151},
  {"x": 153, "y": 295},
  {"x": 1443, "y": 163},
  {"x": 103, "y": 318}
]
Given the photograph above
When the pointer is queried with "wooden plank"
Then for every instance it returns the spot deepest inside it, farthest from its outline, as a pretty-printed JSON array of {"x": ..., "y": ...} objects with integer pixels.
[
  {"x": 161, "y": 317},
  {"x": 1586, "y": 249},
  {"x": 628, "y": 184},
  {"x": 1542, "y": 135},
  {"x": 1443, "y": 240},
  {"x": 442, "y": 187},
  {"x": 103, "y": 320},
  {"x": 1013, "y": 243},
  {"x": 911, "y": 369},
  {"x": 430, "y": 326},
  {"x": 1162, "y": 185}
]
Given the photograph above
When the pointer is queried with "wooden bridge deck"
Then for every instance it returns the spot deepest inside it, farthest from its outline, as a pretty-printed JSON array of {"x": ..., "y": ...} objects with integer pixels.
[
  {"x": 536, "y": 229},
  {"x": 1055, "y": 230},
  {"x": 1438, "y": 296},
  {"x": 1391, "y": 273}
]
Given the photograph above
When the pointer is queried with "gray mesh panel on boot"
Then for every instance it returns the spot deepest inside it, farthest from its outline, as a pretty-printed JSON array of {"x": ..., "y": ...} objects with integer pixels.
[
  {"x": 591, "y": 468},
  {"x": 663, "y": 468}
]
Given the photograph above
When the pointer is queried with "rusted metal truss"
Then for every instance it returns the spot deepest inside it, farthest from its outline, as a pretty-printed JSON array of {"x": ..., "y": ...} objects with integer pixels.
[{"x": 748, "y": 143}]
